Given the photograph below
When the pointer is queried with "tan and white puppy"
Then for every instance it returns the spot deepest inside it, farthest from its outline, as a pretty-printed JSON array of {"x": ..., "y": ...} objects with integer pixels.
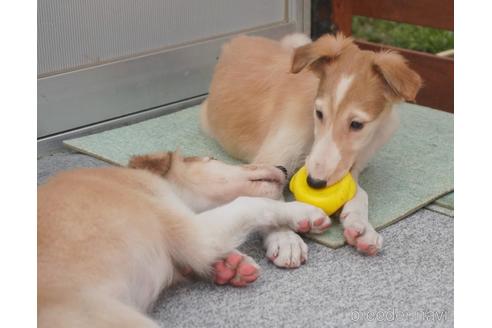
[
  {"x": 326, "y": 104},
  {"x": 110, "y": 239}
]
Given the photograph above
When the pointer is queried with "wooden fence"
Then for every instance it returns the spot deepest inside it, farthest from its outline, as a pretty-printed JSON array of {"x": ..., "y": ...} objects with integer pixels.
[{"x": 436, "y": 71}]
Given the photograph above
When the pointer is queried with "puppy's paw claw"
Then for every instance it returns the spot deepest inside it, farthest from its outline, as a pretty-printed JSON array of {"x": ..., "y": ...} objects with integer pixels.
[
  {"x": 286, "y": 249},
  {"x": 361, "y": 235}
]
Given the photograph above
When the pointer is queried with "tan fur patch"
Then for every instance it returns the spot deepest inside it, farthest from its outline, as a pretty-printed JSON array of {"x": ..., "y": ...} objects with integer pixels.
[
  {"x": 326, "y": 47},
  {"x": 159, "y": 163},
  {"x": 192, "y": 159},
  {"x": 403, "y": 81}
]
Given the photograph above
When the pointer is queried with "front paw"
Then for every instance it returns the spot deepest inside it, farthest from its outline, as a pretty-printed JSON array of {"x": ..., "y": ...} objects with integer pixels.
[
  {"x": 359, "y": 233},
  {"x": 286, "y": 249},
  {"x": 308, "y": 218}
]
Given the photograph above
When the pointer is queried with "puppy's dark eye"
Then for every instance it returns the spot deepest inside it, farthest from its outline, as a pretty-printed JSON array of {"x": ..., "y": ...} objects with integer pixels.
[
  {"x": 319, "y": 114},
  {"x": 354, "y": 125}
]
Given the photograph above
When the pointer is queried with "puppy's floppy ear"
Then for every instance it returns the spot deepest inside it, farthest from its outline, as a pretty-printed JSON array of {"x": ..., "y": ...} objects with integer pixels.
[
  {"x": 158, "y": 163},
  {"x": 403, "y": 82},
  {"x": 324, "y": 49}
]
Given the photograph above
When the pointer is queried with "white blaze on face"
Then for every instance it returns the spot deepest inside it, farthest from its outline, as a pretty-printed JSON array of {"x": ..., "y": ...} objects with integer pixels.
[
  {"x": 342, "y": 88},
  {"x": 319, "y": 103},
  {"x": 325, "y": 154}
]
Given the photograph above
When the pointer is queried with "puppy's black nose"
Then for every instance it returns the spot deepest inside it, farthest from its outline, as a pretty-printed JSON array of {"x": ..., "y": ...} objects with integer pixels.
[
  {"x": 315, "y": 183},
  {"x": 283, "y": 169}
]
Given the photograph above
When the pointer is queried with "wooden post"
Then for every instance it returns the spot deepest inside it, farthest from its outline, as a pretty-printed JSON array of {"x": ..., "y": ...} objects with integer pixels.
[
  {"x": 320, "y": 18},
  {"x": 331, "y": 16},
  {"x": 342, "y": 16}
]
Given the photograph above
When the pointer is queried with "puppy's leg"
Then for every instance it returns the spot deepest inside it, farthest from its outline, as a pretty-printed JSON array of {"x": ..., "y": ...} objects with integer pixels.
[
  {"x": 288, "y": 147},
  {"x": 232, "y": 223},
  {"x": 357, "y": 230},
  {"x": 225, "y": 228},
  {"x": 355, "y": 216}
]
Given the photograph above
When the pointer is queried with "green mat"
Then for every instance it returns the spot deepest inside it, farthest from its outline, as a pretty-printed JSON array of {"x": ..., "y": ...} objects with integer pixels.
[
  {"x": 411, "y": 171},
  {"x": 446, "y": 201},
  {"x": 443, "y": 205}
]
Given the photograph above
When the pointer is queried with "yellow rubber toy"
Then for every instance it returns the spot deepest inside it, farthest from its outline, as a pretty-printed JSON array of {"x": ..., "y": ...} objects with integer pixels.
[{"x": 329, "y": 199}]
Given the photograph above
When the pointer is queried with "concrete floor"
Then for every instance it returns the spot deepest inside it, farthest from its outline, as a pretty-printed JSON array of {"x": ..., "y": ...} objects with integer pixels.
[{"x": 409, "y": 284}]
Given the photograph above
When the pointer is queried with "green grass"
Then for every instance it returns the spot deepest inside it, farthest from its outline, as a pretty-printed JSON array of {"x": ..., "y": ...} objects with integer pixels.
[{"x": 402, "y": 35}]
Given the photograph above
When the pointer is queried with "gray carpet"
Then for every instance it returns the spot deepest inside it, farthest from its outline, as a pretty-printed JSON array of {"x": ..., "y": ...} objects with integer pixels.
[
  {"x": 49, "y": 165},
  {"x": 410, "y": 284}
]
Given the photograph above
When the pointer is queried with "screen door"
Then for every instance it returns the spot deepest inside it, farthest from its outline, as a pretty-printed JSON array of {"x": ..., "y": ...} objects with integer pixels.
[{"x": 100, "y": 60}]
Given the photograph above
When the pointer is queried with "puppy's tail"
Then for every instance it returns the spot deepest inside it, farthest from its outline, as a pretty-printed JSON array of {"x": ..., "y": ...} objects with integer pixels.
[{"x": 295, "y": 40}]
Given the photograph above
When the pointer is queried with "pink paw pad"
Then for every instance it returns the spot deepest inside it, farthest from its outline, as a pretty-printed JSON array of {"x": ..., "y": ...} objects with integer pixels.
[
  {"x": 233, "y": 260},
  {"x": 247, "y": 272},
  {"x": 366, "y": 248},
  {"x": 246, "y": 269},
  {"x": 223, "y": 274},
  {"x": 350, "y": 236},
  {"x": 235, "y": 270},
  {"x": 303, "y": 226}
]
